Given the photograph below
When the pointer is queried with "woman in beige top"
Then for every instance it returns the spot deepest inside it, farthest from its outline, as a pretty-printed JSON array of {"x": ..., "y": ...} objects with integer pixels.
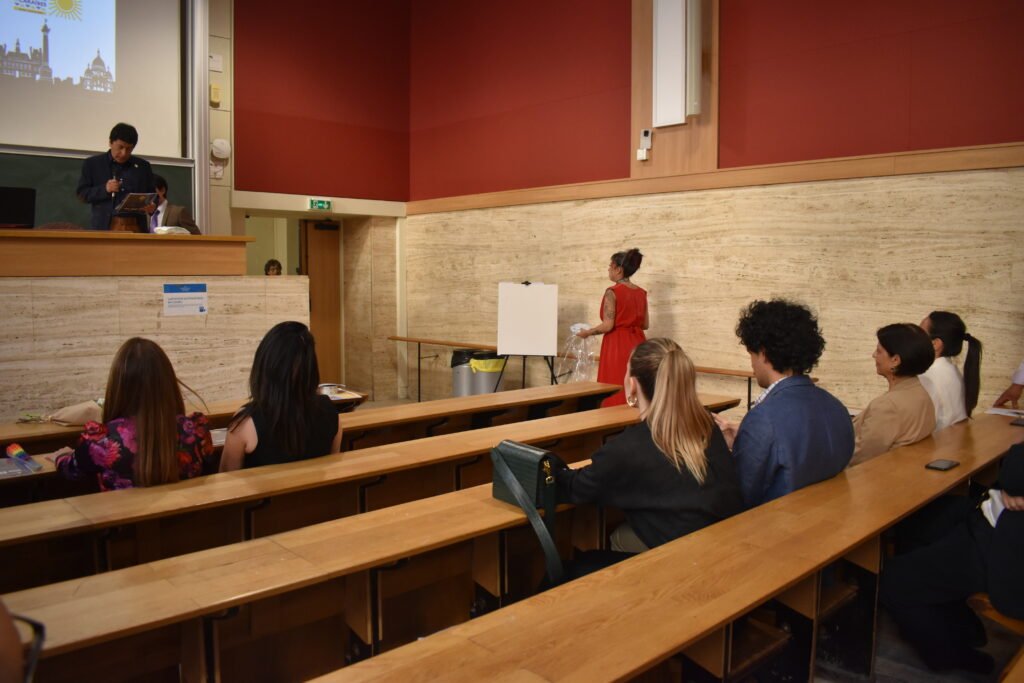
[{"x": 905, "y": 414}]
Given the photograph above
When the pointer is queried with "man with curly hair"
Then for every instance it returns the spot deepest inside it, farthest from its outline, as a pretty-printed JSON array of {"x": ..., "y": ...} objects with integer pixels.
[{"x": 797, "y": 433}]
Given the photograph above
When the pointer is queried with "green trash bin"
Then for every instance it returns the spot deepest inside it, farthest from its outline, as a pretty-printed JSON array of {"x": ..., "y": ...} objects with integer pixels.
[{"x": 487, "y": 367}]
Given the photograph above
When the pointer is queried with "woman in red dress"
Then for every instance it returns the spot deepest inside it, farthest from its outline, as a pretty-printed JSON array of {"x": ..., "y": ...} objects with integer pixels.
[{"x": 623, "y": 321}]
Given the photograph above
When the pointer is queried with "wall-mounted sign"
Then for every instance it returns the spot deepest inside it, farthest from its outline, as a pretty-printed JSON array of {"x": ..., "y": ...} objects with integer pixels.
[{"x": 187, "y": 299}]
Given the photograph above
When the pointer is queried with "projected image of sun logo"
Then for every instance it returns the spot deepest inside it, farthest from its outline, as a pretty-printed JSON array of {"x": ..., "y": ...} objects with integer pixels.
[{"x": 66, "y": 9}]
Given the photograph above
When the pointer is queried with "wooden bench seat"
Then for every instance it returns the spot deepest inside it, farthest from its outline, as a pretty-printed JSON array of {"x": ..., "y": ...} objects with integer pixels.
[
  {"x": 31, "y": 435},
  {"x": 350, "y": 562},
  {"x": 692, "y": 596},
  {"x": 983, "y": 607},
  {"x": 56, "y": 540}
]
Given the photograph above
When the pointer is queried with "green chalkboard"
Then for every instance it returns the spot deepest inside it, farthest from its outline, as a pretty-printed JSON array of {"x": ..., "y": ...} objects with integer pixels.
[{"x": 55, "y": 179}]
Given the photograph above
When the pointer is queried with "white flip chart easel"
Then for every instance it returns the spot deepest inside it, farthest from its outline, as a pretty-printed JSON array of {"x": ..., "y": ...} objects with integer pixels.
[{"x": 528, "y": 321}]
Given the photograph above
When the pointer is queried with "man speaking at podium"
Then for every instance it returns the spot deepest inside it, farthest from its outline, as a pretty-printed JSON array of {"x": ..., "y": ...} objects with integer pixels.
[{"x": 108, "y": 178}]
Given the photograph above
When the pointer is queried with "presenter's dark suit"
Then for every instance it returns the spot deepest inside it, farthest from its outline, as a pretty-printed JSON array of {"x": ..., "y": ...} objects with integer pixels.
[{"x": 136, "y": 175}]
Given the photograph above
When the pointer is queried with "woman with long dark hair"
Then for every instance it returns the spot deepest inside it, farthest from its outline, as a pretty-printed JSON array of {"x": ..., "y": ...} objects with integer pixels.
[
  {"x": 146, "y": 438},
  {"x": 623, "y": 321},
  {"x": 954, "y": 395},
  {"x": 672, "y": 473},
  {"x": 904, "y": 414},
  {"x": 285, "y": 419}
]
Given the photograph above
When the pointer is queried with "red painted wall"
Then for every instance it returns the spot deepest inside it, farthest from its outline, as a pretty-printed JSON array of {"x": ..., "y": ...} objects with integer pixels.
[
  {"x": 806, "y": 79},
  {"x": 398, "y": 100},
  {"x": 508, "y": 95},
  {"x": 322, "y": 98}
]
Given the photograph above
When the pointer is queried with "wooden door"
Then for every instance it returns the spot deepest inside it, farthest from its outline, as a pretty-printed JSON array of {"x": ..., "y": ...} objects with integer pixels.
[{"x": 320, "y": 256}]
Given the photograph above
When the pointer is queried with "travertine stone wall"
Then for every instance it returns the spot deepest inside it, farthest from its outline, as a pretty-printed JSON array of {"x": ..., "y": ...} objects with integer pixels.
[
  {"x": 862, "y": 253},
  {"x": 370, "y": 307},
  {"x": 60, "y": 334}
]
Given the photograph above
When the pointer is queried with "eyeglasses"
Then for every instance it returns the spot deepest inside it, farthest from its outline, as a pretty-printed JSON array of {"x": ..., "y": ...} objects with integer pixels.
[{"x": 38, "y": 636}]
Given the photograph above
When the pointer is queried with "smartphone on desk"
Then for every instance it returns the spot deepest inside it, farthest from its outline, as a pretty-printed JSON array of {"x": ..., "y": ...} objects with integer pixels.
[{"x": 942, "y": 465}]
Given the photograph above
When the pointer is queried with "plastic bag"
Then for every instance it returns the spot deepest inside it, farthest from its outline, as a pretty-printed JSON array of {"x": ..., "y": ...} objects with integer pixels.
[{"x": 576, "y": 363}]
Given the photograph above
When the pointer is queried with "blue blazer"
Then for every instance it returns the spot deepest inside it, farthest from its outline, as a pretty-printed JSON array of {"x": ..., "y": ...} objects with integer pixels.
[{"x": 799, "y": 435}]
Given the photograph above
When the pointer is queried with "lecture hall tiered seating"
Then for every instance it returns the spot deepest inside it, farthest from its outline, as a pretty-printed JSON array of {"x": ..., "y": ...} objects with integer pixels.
[{"x": 399, "y": 165}]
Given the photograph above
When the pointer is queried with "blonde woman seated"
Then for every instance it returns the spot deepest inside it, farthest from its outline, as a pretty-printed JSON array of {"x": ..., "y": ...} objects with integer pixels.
[
  {"x": 672, "y": 473},
  {"x": 905, "y": 414}
]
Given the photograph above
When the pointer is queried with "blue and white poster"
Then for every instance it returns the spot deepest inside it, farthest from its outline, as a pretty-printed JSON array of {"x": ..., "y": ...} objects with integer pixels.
[{"x": 187, "y": 299}]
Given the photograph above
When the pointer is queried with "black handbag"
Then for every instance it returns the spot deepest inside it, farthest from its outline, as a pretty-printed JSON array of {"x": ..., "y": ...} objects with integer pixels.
[{"x": 525, "y": 476}]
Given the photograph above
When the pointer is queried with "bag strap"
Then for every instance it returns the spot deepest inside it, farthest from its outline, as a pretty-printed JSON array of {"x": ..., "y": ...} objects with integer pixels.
[{"x": 551, "y": 558}]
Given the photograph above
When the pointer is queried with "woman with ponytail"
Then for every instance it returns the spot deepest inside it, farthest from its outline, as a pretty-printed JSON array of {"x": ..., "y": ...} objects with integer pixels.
[
  {"x": 146, "y": 438},
  {"x": 623, "y": 320},
  {"x": 671, "y": 474},
  {"x": 954, "y": 395}
]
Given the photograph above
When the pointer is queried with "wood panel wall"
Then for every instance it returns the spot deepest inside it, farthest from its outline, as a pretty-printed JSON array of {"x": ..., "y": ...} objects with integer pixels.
[
  {"x": 687, "y": 148},
  {"x": 60, "y": 334},
  {"x": 862, "y": 252},
  {"x": 370, "y": 306}
]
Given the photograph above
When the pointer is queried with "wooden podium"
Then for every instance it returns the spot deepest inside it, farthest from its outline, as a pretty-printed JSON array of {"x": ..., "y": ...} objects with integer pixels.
[{"x": 56, "y": 253}]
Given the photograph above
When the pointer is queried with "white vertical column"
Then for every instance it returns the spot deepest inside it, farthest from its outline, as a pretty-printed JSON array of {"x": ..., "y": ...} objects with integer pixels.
[{"x": 677, "y": 61}]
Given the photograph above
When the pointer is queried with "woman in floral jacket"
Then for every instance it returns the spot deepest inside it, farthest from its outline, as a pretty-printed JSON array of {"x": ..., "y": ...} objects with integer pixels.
[{"x": 146, "y": 438}]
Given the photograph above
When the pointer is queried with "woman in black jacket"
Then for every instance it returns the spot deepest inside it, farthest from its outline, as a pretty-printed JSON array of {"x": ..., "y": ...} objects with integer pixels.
[{"x": 672, "y": 473}]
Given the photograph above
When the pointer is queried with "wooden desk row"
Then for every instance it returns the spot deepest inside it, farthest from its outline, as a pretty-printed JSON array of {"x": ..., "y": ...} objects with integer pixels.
[
  {"x": 395, "y": 574},
  {"x": 377, "y": 426},
  {"x": 420, "y": 341},
  {"x": 61, "y": 539},
  {"x": 798, "y": 575},
  {"x": 359, "y": 429},
  {"x": 39, "y": 437},
  {"x": 266, "y": 605}
]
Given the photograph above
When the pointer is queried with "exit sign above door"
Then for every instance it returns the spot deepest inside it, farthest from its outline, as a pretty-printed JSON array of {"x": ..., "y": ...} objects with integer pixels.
[{"x": 319, "y": 204}]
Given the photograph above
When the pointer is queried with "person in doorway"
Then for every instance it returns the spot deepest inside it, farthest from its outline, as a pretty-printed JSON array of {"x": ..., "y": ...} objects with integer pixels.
[{"x": 272, "y": 267}]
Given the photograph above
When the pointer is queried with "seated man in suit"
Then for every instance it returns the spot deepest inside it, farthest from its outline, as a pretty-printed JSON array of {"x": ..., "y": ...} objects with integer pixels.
[
  {"x": 107, "y": 178},
  {"x": 168, "y": 214},
  {"x": 796, "y": 434}
]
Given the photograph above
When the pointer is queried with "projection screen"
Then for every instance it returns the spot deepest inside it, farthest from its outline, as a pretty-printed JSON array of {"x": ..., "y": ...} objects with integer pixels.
[{"x": 71, "y": 69}]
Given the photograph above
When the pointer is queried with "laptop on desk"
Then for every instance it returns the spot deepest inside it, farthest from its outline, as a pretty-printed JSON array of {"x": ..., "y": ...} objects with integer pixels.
[{"x": 17, "y": 207}]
